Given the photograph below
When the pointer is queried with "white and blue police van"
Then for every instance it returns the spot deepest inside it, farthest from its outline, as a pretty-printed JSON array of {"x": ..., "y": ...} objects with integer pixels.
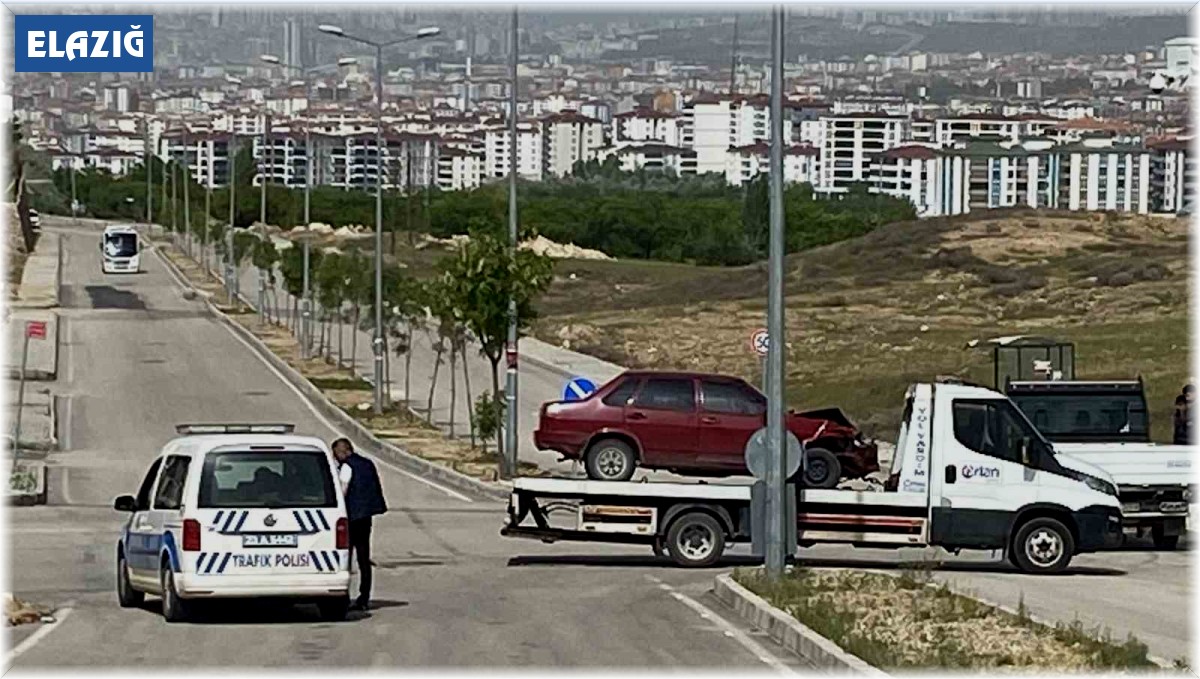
[{"x": 237, "y": 511}]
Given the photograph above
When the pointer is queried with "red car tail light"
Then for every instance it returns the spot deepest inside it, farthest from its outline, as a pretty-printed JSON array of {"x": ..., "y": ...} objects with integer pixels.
[
  {"x": 343, "y": 533},
  {"x": 191, "y": 535}
]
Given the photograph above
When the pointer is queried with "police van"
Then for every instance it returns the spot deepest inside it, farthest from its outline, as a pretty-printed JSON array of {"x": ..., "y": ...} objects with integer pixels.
[{"x": 236, "y": 511}]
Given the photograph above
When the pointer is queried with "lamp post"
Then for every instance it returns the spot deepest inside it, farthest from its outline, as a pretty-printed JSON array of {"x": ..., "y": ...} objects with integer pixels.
[
  {"x": 305, "y": 301},
  {"x": 509, "y": 464},
  {"x": 377, "y": 343},
  {"x": 230, "y": 277}
]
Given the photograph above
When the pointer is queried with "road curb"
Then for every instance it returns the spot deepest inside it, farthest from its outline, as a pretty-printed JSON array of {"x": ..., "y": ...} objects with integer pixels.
[
  {"x": 389, "y": 451},
  {"x": 789, "y": 632}
]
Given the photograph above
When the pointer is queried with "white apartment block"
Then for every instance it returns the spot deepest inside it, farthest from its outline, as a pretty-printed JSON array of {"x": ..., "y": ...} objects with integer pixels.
[
  {"x": 568, "y": 138},
  {"x": 651, "y": 155},
  {"x": 459, "y": 170},
  {"x": 712, "y": 124},
  {"x": 848, "y": 144},
  {"x": 744, "y": 163},
  {"x": 497, "y": 158},
  {"x": 909, "y": 172},
  {"x": 1172, "y": 175},
  {"x": 644, "y": 125},
  {"x": 1106, "y": 176},
  {"x": 975, "y": 125}
]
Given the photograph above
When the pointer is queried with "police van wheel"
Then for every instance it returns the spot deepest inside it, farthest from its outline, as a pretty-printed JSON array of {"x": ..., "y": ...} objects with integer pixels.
[
  {"x": 334, "y": 609},
  {"x": 1042, "y": 545},
  {"x": 127, "y": 596},
  {"x": 173, "y": 607}
]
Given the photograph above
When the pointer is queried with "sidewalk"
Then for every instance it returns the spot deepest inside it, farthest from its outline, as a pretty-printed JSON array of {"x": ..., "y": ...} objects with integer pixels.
[{"x": 37, "y": 300}]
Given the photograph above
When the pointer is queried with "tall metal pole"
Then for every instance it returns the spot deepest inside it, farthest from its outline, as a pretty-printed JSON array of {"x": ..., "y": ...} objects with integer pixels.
[
  {"x": 377, "y": 344},
  {"x": 308, "y": 180},
  {"x": 776, "y": 473},
  {"x": 208, "y": 183},
  {"x": 149, "y": 177},
  {"x": 187, "y": 179},
  {"x": 174, "y": 202},
  {"x": 268, "y": 167},
  {"x": 74, "y": 202},
  {"x": 229, "y": 272},
  {"x": 509, "y": 466}
]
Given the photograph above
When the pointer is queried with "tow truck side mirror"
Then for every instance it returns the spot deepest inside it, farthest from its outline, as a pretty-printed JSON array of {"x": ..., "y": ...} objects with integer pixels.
[
  {"x": 1026, "y": 452},
  {"x": 125, "y": 503}
]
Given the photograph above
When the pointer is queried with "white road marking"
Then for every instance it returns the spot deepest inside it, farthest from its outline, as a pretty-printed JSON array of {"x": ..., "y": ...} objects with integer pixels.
[
  {"x": 726, "y": 628},
  {"x": 59, "y": 617},
  {"x": 313, "y": 409}
]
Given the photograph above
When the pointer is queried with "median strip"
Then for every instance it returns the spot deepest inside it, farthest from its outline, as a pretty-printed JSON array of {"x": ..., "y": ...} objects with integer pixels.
[{"x": 905, "y": 623}]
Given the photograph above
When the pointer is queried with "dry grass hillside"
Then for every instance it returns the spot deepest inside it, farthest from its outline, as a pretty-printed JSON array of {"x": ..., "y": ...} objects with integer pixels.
[{"x": 866, "y": 317}]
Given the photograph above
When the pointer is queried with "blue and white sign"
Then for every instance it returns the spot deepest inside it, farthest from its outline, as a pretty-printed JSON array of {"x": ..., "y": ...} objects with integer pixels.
[
  {"x": 84, "y": 43},
  {"x": 578, "y": 389}
]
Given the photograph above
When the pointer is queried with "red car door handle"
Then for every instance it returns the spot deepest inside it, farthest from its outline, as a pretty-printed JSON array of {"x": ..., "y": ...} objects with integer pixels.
[
  {"x": 637, "y": 416},
  {"x": 708, "y": 420}
]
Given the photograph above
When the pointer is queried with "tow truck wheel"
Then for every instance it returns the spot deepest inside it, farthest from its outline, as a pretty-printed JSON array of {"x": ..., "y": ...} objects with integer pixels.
[
  {"x": 127, "y": 596},
  {"x": 1042, "y": 545},
  {"x": 610, "y": 460},
  {"x": 173, "y": 607},
  {"x": 695, "y": 540},
  {"x": 1164, "y": 541}
]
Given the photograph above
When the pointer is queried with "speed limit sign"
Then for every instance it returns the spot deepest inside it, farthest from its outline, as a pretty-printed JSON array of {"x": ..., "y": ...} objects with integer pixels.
[{"x": 760, "y": 342}]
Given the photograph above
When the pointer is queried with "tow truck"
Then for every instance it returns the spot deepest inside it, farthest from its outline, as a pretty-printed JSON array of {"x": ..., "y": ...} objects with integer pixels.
[{"x": 970, "y": 472}]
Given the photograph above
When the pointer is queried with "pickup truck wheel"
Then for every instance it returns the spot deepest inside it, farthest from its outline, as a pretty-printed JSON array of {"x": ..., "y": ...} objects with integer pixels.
[
  {"x": 821, "y": 469},
  {"x": 610, "y": 460},
  {"x": 1042, "y": 545},
  {"x": 1164, "y": 541},
  {"x": 695, "y": 540}
]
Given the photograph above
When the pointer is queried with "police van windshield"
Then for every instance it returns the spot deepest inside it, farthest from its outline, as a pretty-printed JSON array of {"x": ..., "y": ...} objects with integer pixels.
[
  {"x": 120, "y": 244},
  {"x": 243, "y": 480},
  {"x": 1067, "y": 416}
]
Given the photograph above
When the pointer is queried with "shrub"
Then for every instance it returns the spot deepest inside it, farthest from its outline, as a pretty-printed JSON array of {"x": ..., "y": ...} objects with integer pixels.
[{"x": 1120, "y": 280}]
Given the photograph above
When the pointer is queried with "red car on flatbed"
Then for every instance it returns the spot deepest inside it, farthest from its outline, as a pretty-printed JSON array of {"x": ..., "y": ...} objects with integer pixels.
[{"x": 691, "y": 423}]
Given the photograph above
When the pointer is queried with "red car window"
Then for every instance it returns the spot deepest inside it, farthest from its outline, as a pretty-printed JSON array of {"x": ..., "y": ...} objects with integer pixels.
[{"x": 667, "y": 393}]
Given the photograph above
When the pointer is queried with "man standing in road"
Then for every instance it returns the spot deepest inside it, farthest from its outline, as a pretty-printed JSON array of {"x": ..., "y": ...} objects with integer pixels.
[
  {"x": 1183, "y": 415},
  {"x": 364, "y": 500}
]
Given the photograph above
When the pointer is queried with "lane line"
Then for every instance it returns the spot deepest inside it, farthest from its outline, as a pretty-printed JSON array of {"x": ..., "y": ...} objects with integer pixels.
[
  {"x": 313, "y": 409},
  {"x": 728, "y": 629},
  {"x": 60, "y": 616}
]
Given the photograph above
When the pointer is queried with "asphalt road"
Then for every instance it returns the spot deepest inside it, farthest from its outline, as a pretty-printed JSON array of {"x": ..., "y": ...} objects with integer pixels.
[{"x": 138, "y": 359}]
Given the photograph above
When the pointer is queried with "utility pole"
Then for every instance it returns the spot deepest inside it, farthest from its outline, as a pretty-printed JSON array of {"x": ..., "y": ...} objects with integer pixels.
[
  {"x": 776, "y": 505},
  {"x": 229, "y": 272},
  {"x": 187, "y": 179},
  {"x": 508, "y": 465},
  {"x": 208, "y": 182},
  {"x": 149, "y": 176},
  {"x": 74, "y": 202},
  {"x": 268, "y": 167},
  {"x": 174, "y": 201}
]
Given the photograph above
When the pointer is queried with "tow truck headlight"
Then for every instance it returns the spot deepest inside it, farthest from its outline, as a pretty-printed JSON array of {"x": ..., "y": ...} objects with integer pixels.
[{"x": 1100, "y": 485}]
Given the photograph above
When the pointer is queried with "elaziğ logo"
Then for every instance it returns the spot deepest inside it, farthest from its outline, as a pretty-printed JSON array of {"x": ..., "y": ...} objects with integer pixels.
[{"x": 84, "y": 43}]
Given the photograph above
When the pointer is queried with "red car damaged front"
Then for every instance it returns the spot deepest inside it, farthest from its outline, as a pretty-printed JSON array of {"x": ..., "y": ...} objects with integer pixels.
[{"x": 691, "y": 423}]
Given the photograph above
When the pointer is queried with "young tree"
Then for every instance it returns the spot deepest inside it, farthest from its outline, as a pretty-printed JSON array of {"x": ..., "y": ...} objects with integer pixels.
[
  {"x": 360, "y": 291},
  {"x": 265, "y": 257},
  {"x": 331, "y": 291},
  {"x": 481, "y": 278}
]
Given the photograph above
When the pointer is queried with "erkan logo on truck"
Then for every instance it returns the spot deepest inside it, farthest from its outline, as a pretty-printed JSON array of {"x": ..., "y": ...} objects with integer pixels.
[
  {"x": 978, "y": 471},
  {"x": 79, "y": 43}
]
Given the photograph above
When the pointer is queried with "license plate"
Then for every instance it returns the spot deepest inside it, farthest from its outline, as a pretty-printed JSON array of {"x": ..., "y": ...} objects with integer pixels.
[
  {"x": 1173, "y": 507},
  {"x": 269, "y": 540}
]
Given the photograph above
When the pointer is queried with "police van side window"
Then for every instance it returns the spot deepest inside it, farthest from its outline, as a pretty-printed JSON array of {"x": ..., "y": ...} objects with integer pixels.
[
  {"x": 170, "y": 487},
  {"x": 143, "y": 496},
  {"x": 990, "y": 428}
]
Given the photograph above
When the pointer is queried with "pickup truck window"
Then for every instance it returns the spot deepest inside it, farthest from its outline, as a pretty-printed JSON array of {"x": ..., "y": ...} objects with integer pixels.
[
  {"x": 1074, "y": 415},
  {"x": 667, "y": 393},
  {"x": 731, "y": 398},
  {"x": 620, "y": 396},
  {"x": 991, "y": 428}
]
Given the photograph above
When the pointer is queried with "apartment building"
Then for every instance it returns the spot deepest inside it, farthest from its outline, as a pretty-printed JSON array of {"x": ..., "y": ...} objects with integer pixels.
[
  {"x": 530, "y": 160},
  {"x": 970, "y": 126},
  {"x": 909, "y": 172},
  {"x": 1172, "y": 175},
  {"x": 568, "y": 138},
  {"x": 848, "y": 144},
  {"x": 744, "y": 163},
  {"x": 714, "y": 123},
  {"x": 651, "y": 156},
  {"x": 1104, "y": 175},
  {"x": 458, "y": 169},
  {"x": 644, "y": 125}
]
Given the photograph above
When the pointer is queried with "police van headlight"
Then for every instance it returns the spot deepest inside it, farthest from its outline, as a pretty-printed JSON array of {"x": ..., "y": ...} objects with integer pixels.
[{"x": 1099, "y": 484}]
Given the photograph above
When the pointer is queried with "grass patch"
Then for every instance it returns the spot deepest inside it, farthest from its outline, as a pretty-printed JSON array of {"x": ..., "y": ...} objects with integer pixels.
[
  {"x": 904, "y": 623},
  {"x": 341, "y": 384}
]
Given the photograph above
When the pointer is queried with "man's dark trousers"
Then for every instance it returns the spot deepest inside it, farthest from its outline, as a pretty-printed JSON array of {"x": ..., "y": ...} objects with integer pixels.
[{"x": 360, "y": 542}]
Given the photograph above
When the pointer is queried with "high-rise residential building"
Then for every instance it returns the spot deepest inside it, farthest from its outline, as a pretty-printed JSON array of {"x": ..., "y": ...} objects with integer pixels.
[
  {"x": 568, "y": 138},
  {"x": 848, "y": 144}
]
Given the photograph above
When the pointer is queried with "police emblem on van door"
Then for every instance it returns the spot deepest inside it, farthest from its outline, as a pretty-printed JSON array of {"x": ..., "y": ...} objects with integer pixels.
[{"x": 269, "y": 521}]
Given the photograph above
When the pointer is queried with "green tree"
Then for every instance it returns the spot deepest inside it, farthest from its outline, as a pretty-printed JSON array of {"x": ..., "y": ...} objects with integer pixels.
[{"x": 481, "y": 278}]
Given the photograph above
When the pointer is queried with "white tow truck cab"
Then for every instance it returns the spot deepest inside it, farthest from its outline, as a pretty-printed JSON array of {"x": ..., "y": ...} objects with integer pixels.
[
  {"x": 1106, "y": 423},
  {"x": 120, "y": 249},
  {"x": 236, "y": 511},
  {"x": 970, "y": 472}
]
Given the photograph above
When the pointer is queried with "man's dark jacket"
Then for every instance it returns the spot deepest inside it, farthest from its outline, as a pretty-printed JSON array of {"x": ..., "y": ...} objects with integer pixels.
[{"x": 364, "y": 497}]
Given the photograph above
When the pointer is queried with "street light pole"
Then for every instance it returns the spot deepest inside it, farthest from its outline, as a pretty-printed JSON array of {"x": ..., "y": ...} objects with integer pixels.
[
  {"x": 74, "y": 202},
  {"x": 229, "y": 274},
  {"x": 776, "y": 505},
  {"x": 377, "y": 343},
  {"x": 187, "y": 179},
  {"x": 509, "y": 465},
  {"x": 149, "y": 177}
]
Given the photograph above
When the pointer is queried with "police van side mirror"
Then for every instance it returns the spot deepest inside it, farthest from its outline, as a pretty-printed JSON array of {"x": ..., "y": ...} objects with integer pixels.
[
  {"x": 125, "y": 503},
  {"x": 1026, "y": 452}
]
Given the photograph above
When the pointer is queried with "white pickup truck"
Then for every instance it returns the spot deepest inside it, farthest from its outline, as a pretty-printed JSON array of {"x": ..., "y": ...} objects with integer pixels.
[
  {"x": 1106, "y": 424},
  {"x": 970, "y": 472}
]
